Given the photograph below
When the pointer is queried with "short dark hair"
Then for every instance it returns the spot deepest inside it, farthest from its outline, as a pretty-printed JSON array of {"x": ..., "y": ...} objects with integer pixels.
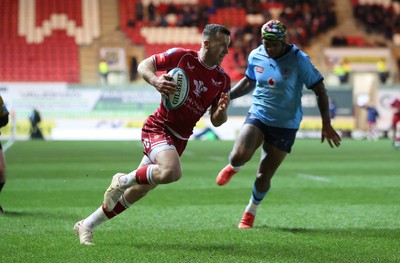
[{"x": 211, "y": 30}]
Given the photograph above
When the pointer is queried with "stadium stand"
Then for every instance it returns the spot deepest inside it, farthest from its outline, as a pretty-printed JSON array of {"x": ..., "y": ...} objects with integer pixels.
[
  {"x": 42, "y": 40},
  {"x": 144, "y": 22}
]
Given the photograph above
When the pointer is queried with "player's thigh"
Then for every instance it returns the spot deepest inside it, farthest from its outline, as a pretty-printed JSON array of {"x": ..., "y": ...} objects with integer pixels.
[{"x": 249, "y": 139}]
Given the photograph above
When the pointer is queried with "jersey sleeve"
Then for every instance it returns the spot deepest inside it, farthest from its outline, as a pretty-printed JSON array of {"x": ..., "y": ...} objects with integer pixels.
[
  {"x": 307, "y": 71},
  {"x": 168, "y": 59}
]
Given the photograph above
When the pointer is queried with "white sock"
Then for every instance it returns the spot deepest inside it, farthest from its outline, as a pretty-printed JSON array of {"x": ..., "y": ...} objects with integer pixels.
[
  {"x": 124, "y": 202},
  {"x": 96, "y": 218},
  {"x": 236, "y": 168},
  {"x": 128, "y": 180},
  {"x": 251, "y": 208}
]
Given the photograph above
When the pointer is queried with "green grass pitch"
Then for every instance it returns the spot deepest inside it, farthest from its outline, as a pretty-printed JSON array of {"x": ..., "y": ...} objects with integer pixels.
[{"x": 325, "y": 205}]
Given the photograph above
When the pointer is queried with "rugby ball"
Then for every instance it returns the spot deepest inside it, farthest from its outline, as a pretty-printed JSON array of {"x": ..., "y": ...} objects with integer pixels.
[{"x": 175, "y": 100}]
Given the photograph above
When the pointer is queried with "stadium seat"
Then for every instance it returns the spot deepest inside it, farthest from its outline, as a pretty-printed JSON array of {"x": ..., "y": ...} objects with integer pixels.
[{"x": 45, "y": 50}]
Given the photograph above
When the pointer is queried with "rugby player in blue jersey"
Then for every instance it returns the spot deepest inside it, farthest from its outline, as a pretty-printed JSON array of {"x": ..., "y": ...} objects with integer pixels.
[{"x": 276, "y": 72}]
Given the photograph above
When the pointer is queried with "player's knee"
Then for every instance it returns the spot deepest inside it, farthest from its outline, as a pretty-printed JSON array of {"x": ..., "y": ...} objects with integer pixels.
[{"x": 170, "y": 175}]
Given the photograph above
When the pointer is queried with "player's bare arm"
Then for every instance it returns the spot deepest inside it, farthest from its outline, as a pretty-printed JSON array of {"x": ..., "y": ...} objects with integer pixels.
[
  {"x": 162, "y": 83},
  {"x": 244, "y": 86},
  {"x": 328, "y": 133},
  {"x": 218, "y": 114}
]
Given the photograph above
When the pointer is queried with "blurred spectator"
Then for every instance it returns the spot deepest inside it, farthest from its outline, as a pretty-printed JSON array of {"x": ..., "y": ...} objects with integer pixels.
[
  {"x": 35, "y": 119},
  {"x": 139, "y": 11},
  {"x": 151, "y": 12},
  {"x": 383, "y": 72},
  {"x": 103, "y": 71},
  {"x": 342, "y": 70},
  {"x": 372, "y": 117},
  {"x": 339, "y": 41},
  {"x": 161, "y": 21},
  {"x": 377, "y": 18},
  {"x": 187, "y": 17}
]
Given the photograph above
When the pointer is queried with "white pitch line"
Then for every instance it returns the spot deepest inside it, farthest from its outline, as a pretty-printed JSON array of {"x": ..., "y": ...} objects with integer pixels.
[
  {"x": 189, "y": 153},
  {"x": 7, "y": 145},
  {"x": 217, "y": 158},
  {"x": 314, "y": 177}
]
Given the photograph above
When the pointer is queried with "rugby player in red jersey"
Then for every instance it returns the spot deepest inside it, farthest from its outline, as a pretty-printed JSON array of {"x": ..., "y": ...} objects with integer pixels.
[
  {"x": 395, "y": 104},
  {"x": 165, "y": 133}
]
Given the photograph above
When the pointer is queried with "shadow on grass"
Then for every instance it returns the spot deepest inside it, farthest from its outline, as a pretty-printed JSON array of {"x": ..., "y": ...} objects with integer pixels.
[
  {"x": 350, "y": 232},
  {"x": 9, "y": 213},
  {"x": 37, "y": 214}
]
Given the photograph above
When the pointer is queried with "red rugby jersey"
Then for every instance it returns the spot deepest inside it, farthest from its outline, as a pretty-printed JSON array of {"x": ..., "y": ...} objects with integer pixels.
[{"x": 206, "y": 85}]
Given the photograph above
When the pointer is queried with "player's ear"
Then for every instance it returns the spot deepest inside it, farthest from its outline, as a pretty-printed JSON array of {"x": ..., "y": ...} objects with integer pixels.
[{"x": 206, "y": 44}]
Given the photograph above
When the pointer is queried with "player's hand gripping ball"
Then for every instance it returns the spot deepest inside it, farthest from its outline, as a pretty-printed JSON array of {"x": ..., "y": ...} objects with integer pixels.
[{"x": 175, "y": 100}]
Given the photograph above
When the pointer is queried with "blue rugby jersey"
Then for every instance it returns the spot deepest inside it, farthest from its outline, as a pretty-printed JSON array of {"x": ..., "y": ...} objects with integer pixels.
[{"x": 279, "y": 85}]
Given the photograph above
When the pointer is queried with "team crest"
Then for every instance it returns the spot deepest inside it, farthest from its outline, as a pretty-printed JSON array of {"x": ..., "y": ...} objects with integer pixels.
[{"x": 199, "y": 87}]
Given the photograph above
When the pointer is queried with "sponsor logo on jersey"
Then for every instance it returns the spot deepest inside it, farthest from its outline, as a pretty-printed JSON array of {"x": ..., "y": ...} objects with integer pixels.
[
  {"x": 216, "y": 83},
  {"x": 271, "y": 82},
  {"x": 190, "y": 67}
]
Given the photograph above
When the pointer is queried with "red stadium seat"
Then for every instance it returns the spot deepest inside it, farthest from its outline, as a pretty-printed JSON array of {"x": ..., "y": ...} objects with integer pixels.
[{"x": 54, "y": 59}]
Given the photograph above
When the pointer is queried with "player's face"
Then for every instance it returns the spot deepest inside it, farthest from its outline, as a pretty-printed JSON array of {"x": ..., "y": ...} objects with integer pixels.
[
  {"x": 217, "y": 49},
  {"x": 274, "y": 48}
]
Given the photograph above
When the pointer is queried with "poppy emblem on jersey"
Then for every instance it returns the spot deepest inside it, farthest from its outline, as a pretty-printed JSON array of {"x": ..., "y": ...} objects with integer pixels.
[
  {"x": 271, "y": 82},
  {"x": 259, "y": 69}
]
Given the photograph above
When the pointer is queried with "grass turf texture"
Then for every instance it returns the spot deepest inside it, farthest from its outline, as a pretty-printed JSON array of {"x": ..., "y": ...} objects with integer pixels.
[{"x": 325, "y": 205}]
